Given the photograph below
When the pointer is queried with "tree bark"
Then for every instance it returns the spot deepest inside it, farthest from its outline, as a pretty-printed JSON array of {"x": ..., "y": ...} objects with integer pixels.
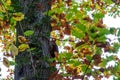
[{"x": 33, "y": 65}]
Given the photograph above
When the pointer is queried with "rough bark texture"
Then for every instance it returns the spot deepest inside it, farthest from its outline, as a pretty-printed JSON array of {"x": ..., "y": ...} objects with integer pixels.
[{"x": 32, "y": 65}]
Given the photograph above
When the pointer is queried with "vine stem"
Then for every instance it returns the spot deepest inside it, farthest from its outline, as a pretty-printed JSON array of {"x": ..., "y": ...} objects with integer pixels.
[
  {"x": 31, "y": 58},
  {"x": 21, "y": 27}
]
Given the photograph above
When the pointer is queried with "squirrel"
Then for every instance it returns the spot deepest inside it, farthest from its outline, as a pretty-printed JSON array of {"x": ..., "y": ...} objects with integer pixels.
[{"x": 53, "y": 48}]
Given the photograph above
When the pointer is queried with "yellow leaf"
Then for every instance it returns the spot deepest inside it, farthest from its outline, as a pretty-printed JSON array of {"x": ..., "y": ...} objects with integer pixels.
[
  {"x": 22, "y": 39},
  {"x": 13, "y": 49},
  {"x": 53, "y": 24},
  {"x": 53, "y": 34},
  {"x": 79, "y": 69},
  {"x": 56, "y": 54},
  {"x": 18, "y": 16},
  {"x": 71, "y": 66},
  {"x": 23, "y": 47},
  {"x": 54, "y": 6},
  {"x": 98, "y": 7},
  {"x": 8, "y": 2},
  {"x": 2, "y": 9},
  {"x": 6, "y": 62},
  {"x": 58, "y": 42}
]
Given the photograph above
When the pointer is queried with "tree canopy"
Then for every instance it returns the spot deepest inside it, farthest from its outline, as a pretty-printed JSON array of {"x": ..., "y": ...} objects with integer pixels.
[{"x": 79, "y": 31}]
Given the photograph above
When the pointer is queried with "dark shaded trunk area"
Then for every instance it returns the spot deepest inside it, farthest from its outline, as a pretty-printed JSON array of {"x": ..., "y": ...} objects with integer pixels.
[{"x": 34, "y": 65}]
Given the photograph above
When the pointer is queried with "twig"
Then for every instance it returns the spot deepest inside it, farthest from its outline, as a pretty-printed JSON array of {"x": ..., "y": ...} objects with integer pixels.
[{"x": 93, "y": 50}]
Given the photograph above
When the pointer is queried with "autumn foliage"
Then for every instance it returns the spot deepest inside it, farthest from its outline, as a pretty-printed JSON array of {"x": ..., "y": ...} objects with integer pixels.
[
  {"x": 79, "y": 31},
  {"x": 78, "y": 27}
]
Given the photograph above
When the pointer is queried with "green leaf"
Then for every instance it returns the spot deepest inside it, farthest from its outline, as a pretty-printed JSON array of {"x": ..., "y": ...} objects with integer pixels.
[
  {"x": 64, "y": 74},
  {"x": 98, "y": 50},
  {"x": 81, "y": 27},
  {"x": 116, "y": 78},
  {"x": 77, "y": 63},
  {"x": 109, "y": 58},
  {"x": 116, "y": 47},
  {"x": 28, "y": 33},
  {"x": 12, "y": 63},
  {"x": 88, "y": 70},
  {"x": 68, "y": 55},
  {"x": 118, "y": 32},
  {"x": 116, "y": 71},
  {"x": 88, "y": 57},
  {"x": 70, "y": 61},
  {"x": 77, "y": 33},
  {"x": 103, "y": 63},
  {"x": 98, "y": 16},
  {"x": 1, "y": 15},
  {"x": 31, "y": 49},
  {"x": 84, "y": 67},
  {"x": 101, "y": 38},
  {"x": 92, "y": 35},
  {"x": 69, "y": 16},
  {"x": 103, "y": 31},
  {"x": 112, "y": 30},
  {"x": 51, "y": 59},
  {"x": 13, "y": 22},
  {"x": 119, "y": 39}
]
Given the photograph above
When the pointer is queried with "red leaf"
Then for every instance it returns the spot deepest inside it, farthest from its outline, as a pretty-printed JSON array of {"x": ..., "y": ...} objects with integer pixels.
[
  {"x": 55, "y": 28},
  {"x": 93, "y": 1},
  {"x": 53, "y": 75},
  {"x": 87, "y": 18},
  {"x": 62, "y": 16},
  {"x": 67, "y": 47},
  {"x": 79, "y": 43},
  {"x": 68, "y": 2},
  {"x": 40, "y": 7},
  {"x": 59, "y": 77},
  {"x": 67, "y": 31},
  {"x": 53, "y": 64}
]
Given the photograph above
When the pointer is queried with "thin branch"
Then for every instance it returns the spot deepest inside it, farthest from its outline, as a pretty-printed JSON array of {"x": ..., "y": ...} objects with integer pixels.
[{"x": 86, "y": 69}]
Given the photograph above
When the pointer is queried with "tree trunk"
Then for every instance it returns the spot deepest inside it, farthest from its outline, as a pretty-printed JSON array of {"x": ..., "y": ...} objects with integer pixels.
[{"x": 33, "y": 65}]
